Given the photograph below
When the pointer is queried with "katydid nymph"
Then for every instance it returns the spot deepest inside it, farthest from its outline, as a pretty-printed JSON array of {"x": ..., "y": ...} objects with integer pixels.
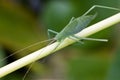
[{"x": 74, "y": 26}]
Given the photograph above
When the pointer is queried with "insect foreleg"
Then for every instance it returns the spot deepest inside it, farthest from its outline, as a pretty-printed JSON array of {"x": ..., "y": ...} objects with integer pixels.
[
  {"x": 92, "y": 39},
  {"x": 100, "y": 6},
  {"x": 52, "y": 31},
  {"x": 71, "y": 19}
]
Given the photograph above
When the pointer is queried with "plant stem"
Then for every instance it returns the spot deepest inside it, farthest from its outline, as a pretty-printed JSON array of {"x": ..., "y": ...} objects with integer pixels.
[{"x": 49, "y": 49}]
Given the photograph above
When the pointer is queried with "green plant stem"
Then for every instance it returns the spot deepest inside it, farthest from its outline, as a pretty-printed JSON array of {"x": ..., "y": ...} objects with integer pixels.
[{"x": 49, "y": 49}]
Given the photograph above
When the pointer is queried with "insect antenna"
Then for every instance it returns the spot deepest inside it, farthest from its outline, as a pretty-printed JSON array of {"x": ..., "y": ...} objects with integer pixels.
[{"x": 25, "y": 49}]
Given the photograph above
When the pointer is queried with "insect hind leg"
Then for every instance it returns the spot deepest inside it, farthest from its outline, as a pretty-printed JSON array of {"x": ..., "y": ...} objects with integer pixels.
[
  {"x": 91, "y": 39},
  {"x": 100, "y": 6}
]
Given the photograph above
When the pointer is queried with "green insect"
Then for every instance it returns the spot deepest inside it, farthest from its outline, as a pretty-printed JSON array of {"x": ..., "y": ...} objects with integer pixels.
[{"x": 74, "y": 26}]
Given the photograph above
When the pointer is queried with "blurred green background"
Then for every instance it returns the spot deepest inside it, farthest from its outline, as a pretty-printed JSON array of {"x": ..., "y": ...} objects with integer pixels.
[{"x": 25, "y": 22}]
